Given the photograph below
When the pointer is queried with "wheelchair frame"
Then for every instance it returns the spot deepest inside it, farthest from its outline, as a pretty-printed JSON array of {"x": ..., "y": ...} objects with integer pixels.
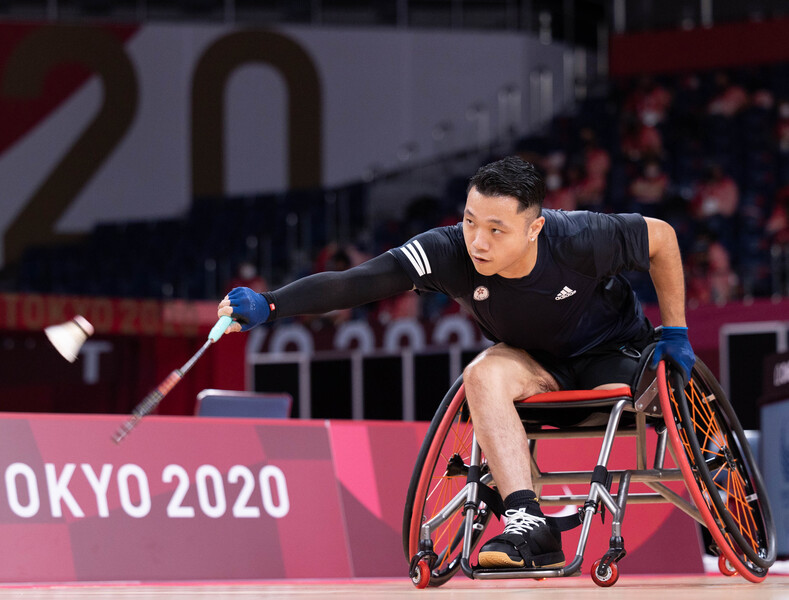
[{"x": 740, "y": 523}]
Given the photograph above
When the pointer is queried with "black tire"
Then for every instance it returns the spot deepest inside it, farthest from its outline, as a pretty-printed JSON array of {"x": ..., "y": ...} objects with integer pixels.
[
  {"x": 722, "y": 476},
  {"x": 445, "y": 449}
]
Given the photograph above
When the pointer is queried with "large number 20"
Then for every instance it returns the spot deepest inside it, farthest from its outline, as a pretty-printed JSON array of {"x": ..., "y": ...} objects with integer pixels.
[
  {"x": 24, "y": 77},
  {"x": 105, "y": 55}
]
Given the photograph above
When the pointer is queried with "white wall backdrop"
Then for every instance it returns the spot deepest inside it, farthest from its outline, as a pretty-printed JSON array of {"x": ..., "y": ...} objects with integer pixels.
[{"x": 380, "y": 91}]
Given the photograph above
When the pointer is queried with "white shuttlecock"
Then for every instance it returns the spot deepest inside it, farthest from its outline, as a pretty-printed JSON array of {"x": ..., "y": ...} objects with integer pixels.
[{"x": 68, "y": 337}]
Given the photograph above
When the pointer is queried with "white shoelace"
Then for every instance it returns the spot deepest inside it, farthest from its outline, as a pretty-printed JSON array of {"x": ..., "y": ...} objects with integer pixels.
[{"x": 519, "y": 521}]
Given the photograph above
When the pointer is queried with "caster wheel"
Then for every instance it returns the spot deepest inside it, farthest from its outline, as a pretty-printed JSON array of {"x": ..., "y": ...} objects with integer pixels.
[
  {"x": 420, "y": 575},
  {"x": 725, "y": 566},
  {"x": 608, "y": 578}
]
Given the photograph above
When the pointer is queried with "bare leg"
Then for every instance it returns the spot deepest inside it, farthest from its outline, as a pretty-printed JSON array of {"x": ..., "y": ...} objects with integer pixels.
[{"x": 495, "y": 379}]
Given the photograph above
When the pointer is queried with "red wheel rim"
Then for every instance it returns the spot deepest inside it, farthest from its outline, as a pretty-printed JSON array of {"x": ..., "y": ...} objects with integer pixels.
[{"x": 681, "y": 450}]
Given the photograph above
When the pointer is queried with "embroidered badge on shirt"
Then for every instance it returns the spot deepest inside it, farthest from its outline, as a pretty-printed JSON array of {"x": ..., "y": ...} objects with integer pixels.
[{"x": 481, "y": 293}]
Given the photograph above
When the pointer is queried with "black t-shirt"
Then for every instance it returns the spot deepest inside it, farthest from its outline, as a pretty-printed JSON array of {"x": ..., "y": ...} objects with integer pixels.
[{"x": 574, "y": 299}]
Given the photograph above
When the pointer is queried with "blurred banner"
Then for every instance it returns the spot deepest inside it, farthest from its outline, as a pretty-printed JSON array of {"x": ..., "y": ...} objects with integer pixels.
[
  {"x": 33, "y": 312},
  {"x": 216, "y": 499},
  {"x": 724, "y": 45}
]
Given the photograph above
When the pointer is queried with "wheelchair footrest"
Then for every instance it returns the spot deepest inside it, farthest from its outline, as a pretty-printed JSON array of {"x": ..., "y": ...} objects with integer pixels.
[
  {"x": 566, "y": 523},
  {"x": 480, "y": 573}
]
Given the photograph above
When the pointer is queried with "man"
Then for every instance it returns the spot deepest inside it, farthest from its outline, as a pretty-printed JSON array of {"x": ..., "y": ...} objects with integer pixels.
[{"x": 546, "y": 288}]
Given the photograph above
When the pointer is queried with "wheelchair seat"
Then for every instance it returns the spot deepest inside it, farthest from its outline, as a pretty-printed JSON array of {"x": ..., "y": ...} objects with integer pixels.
[
  {"x": 590, "y": 408},
  {"x": 570, "y": 408},
  {"x": 600, "y": 397}
]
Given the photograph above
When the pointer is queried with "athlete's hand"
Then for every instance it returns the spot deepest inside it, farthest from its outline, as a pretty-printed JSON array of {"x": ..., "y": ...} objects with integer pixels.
[
  {"x": 247, "y": 308},
  {"x": 675, "y": 348}
]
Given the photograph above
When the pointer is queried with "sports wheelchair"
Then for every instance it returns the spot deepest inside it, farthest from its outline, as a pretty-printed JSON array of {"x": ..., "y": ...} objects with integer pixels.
[{"x": 451, "y": 496}]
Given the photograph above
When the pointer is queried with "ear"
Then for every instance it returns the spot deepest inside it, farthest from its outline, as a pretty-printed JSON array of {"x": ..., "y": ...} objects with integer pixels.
[{"x": 535, "y": 227}]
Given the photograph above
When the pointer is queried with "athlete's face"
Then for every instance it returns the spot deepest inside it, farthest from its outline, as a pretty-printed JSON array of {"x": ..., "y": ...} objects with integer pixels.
[{"x": 498, "y": 237}]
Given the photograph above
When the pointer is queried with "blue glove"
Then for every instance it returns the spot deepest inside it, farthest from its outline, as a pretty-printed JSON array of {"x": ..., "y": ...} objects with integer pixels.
[
  {"x": 674, "y": 347},
  {"x": 249, "y": 308}
]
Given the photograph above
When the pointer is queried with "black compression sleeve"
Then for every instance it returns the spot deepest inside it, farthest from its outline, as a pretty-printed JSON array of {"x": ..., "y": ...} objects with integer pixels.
[{"x": 373, "y": 280}]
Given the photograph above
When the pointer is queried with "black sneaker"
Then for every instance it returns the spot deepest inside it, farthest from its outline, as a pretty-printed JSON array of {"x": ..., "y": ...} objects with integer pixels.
[{"x": 528, "y": 542}]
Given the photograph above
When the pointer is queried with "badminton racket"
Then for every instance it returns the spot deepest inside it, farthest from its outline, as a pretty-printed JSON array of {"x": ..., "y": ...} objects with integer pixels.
[{"x": 151, "y": 401}]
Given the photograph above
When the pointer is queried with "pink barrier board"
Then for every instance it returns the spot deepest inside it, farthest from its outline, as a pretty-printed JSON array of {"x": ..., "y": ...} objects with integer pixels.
[{"x": 232, "y": 499}]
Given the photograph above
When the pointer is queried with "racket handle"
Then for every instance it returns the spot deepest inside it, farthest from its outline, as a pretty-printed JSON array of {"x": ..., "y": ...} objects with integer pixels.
[{"x": 221, "y": 325}]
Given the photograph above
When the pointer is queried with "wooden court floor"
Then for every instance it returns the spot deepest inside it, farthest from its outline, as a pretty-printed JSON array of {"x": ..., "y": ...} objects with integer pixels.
[{"x": 709, "y": 587}]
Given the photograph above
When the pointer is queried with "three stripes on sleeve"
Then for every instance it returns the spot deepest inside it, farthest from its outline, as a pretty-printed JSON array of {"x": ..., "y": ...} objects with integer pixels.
[{"x": 416, "y": 255}]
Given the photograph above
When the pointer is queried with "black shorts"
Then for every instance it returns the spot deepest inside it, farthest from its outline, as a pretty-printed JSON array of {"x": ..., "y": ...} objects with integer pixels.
[{"x": 611, "y": 363}]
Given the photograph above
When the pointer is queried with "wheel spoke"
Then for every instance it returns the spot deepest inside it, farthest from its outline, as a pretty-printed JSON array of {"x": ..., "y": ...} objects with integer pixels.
[{"x": 713, "y": 452}]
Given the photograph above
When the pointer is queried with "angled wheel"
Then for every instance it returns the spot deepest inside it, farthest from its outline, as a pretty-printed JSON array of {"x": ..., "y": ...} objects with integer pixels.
[
  {"x": 439, "y": 474},
  {"x": 719, "y": 471},
  {"x": 609, "y": 575},
  {"x": 724, "y": 566},
  {"x": 420, "y": 575}
]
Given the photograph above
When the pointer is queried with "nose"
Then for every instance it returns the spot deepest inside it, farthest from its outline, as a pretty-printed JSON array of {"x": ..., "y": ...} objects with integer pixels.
[{"x": 480, "y": 241}]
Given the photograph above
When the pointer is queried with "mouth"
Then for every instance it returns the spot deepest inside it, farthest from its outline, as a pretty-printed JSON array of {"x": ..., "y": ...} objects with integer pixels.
[{"x": 479, "y": 260}]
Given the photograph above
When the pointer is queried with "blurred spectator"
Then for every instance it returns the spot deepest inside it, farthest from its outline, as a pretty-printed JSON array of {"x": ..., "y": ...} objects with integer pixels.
[
  {"x": 597, "y": 161},
  {"x": 404, "y": 306},
  {"x": 721, "y": 278},
  {"x": 649, "y": 101},
  {"x": 777, "y": 226},
  {"x": 717, "y": 195},
  {"x": 782, "y": 127},
  {"x": 711, "y": 280},
  {"x": 778, "y": 230},
  {"x": 336, "y": 257},
  {"x": 553, "y": 163},
  {"x": 648, "y": 190},
  {"x": 584, "y": 192},
  {"x": 715, "y": 203},
  {"x": 763, "y": 98},
  {"x": 559, "y": 196},
  {"x": 729, "y": 99},
  {"x": 247, "y": 276},
  {"x": 640, "y": 141}
]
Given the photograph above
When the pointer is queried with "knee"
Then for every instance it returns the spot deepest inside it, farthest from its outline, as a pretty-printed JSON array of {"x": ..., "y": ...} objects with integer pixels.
[
  {"x": 488, "y": 378},
  {"x": 495, "y": 376},
  {"x": 480, "y": 370}
]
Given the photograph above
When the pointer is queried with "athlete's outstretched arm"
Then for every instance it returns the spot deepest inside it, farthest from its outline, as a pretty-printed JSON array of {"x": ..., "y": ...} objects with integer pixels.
[{"x": 378, "y": 278}]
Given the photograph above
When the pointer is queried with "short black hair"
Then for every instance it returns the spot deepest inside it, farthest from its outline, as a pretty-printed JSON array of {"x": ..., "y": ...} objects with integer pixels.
[{"x": 511, "y": 176}]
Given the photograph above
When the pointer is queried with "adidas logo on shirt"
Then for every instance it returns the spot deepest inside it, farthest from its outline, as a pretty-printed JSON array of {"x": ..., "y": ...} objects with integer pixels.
[
  {"x": 416, "y": 254},
  {"x": 564, "y": 294}
]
